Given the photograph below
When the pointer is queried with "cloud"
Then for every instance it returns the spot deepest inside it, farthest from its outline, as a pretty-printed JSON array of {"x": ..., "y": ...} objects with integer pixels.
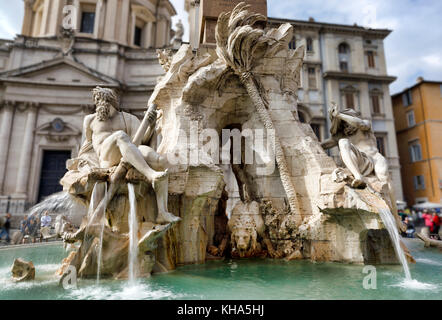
[
  {"x": 413, "y": 49},
  {"x": 10, "y": 24}
]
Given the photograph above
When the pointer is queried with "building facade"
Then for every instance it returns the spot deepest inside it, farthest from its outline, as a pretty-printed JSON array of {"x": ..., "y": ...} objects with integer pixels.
[
  {"x": 418, "y": 115},
  {"x": 346, "y": 64},
  {"x": 46, "y": 77}
]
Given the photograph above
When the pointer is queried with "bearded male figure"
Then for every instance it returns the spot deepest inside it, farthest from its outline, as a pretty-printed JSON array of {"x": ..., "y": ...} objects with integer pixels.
[
  {"x": 359, "y": 151},
  {"x": 115, "y": 136}
]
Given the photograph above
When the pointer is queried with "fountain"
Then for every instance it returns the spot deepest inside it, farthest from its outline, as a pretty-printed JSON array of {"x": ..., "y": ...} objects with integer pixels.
[
  {"x": 295, "y": 203},
  {"x": 133, "y": 235},
  {"x": 390, "y": 224}
]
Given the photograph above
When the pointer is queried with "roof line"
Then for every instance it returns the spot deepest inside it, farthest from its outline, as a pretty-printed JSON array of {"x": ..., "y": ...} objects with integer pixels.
[
  {"x": 327, "y": 24},
  {"x": 414, "y": 86}
]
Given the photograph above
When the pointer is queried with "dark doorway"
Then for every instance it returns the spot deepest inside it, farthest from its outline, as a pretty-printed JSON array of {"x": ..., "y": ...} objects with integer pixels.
[{"x": 52, "y": 170}]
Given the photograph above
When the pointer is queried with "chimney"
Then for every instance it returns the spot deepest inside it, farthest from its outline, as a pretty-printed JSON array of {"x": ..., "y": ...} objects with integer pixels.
[{"x": 420, "y": 79}]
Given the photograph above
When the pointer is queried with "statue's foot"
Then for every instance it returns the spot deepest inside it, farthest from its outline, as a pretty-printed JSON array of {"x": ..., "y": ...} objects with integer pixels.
[
  {"x": 358, "y": 184},
  {"x": 167, "y": 217}
]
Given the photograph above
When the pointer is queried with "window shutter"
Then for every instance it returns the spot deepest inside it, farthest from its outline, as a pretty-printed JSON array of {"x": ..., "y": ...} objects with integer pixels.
[
  {"x": 410, "y": 150},
  {"x": 404, "y": 100},
  {"x": 416, "y": 187},
  {"x": 419, "y": 152}
]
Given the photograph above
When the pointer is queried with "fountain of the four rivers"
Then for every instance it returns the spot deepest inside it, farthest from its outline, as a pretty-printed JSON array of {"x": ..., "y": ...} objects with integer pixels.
[{"x": 156, "y": 192}]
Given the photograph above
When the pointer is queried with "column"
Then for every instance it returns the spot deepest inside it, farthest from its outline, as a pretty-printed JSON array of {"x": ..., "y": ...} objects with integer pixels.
[
  {"x": 27, "y": 20},
  {"x": 26, "y": 151},
  {"x": 5, "y": 134},
  {"x": 133, "y": 20},
  {"x": 111, "y": 20},
  {"x": 45, "y": 19},
  {"x": 98, "y": 13},
  {"x": 148, "y": 34},
  {"x": 125, "y": 13}
]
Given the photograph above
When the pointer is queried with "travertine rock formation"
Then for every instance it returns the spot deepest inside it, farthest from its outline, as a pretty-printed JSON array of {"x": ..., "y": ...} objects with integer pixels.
[
  {"x": 295, "y": 201},
  {"x": 22, "y": 270}
]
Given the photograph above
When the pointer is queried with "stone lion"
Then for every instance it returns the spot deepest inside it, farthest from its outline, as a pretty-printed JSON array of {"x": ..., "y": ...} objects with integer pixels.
[{"x": 248, "y": 231}]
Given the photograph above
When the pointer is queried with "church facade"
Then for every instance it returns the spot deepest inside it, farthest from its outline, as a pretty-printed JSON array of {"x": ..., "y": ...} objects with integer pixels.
[{"x": 46, "y": 76}]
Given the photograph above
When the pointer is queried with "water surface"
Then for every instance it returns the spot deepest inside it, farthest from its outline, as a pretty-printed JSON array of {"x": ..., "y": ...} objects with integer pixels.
[{"x": 234, "y": 279}]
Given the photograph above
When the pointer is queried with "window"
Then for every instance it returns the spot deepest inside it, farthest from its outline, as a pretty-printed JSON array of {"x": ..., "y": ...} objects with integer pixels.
[
  {"x": 344, "y": 56},
  {"x": 441, "y": 90},
  {"x": 380, "y": 142},
  {"x": 343, "y": 65},
  {"x": 407, "y": 99},
  {"x": 87, "y": 22},
  {"x": 317, "y": 130},
  {"x": 344, "y": 48},
  {"x": 349, "y": 101},
  {"x": 292, "y": 44},
  {"x": 375, "y": 104},
  {"x": 309, "y": 45},
  {"x": 415, "y": 151},
  {"x": 137, "y": 36},
  {"x": 312, "y": 78},
  {"x": 419, "y": 182},
  {"x": 370, "y": 59},
  {"x": 410, "y": 118}
]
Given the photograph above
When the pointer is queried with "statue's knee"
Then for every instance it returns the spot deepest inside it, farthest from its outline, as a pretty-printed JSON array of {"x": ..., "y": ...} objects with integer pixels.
[
  {"x": 121, "y": 135},
  {"x": 344, "y": 144}
]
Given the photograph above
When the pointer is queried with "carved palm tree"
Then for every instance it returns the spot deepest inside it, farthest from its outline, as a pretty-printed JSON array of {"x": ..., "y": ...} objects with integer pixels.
[{"x": 240, "y": 45}]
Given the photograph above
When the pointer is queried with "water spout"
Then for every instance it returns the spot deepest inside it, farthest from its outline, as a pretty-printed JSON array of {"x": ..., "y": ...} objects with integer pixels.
[
  {"x": 133, "y": 235},
  {"x": 390, "y": 224},
  {"x": 100, "y": 248}
]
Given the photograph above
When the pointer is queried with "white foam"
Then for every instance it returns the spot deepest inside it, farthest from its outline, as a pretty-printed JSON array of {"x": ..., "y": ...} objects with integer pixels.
[
  {"x": 136, "y": 291},
  {"x": 414, "y": 284},
  {"x": 429, "y": 261}
]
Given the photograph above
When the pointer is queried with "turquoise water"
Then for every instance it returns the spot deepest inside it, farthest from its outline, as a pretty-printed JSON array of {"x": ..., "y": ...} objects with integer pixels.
[{"x": 234, "y": 279}]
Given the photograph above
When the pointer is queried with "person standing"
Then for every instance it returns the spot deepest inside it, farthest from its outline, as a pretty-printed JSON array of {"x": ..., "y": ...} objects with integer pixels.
[
  {"x": 45, "y": 222},
  {"x": 428, "y": 220},
  {"x": 6, "y": 228},
  {"x": 436, "y": 225}
]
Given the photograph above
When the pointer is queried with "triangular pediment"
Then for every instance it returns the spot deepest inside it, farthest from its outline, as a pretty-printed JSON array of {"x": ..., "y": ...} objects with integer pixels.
[{"x": 59, "y": 71}]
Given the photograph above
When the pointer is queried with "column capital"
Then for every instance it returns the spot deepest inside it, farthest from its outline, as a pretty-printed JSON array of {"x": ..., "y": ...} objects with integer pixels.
[
  {"x": 8, "y": 104},
  {"x": 29, "y": 3},
  {"x": 31, "y": 105}
]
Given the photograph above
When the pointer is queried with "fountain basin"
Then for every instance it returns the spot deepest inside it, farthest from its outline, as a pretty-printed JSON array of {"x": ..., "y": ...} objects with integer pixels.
[{"x": 231, "y": 279}]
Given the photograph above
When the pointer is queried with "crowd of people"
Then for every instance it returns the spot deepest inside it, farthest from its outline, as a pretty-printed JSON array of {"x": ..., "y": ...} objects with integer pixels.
[
  {"x": 426, "y": 218},
  {"x": 31, "y": 228}
]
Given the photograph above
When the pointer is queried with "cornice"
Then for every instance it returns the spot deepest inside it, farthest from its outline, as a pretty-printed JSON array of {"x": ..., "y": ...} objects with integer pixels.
[
  {"x": 358, "y": 76},
  {"x": 323, "y": 27}
]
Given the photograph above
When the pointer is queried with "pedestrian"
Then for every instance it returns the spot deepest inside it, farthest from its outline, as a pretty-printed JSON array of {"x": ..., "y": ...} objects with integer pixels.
[
  {"x": 428, "y": 220},
  {"x": 45, "y": 224},
  {"x": 32, "y": 228},
  {"x": 410, "y": 228},
  {"x": 6, "y": 227},
  {"x": 436, "y": 225}
]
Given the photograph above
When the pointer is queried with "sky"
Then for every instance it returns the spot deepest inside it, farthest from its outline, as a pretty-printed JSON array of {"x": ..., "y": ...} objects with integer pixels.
[{"x": 413, "y": 49}]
